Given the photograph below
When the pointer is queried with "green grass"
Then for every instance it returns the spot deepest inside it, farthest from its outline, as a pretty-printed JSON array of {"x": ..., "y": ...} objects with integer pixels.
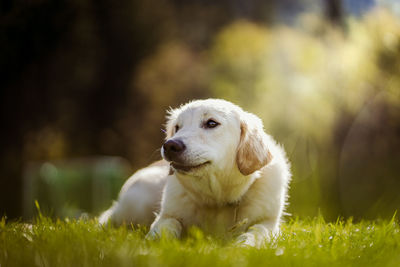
[{"x": 311, "y": 242}]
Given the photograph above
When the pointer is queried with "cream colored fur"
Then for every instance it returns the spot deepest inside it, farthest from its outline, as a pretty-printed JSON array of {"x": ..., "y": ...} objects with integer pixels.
[{"x": 241, "y": 192}]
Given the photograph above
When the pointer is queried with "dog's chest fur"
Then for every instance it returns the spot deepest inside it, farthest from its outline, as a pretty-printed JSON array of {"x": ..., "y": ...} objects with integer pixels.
[
  {"x": 216, "y": 201},
  {"x": 216, "y": 190},
  {"x": 215, "y": 220}
]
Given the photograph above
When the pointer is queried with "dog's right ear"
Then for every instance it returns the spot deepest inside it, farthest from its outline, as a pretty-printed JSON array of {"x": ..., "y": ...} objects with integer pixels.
[{"x": 252, "y": 153}]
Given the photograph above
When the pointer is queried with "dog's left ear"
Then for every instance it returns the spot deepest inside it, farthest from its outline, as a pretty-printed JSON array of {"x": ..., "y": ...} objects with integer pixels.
[
  {"x": 252, "y": 153},
  {"x": 169, "y": 125}
]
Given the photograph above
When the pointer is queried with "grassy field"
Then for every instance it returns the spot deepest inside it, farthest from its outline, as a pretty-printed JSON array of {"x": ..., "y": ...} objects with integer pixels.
[{"x": 310, "y": 242}]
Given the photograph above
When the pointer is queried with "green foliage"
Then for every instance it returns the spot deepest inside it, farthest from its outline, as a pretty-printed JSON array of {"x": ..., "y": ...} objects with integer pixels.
[{"x": 311, "y": 242}]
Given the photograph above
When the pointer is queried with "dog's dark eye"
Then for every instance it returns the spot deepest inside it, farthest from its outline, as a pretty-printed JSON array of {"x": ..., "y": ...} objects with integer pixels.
[
  {"x": 211, "y": 124},
  {"x": 176, "y": 128}
]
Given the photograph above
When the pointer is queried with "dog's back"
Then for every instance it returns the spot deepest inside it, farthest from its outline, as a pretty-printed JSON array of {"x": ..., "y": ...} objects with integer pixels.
[{"x": 139, "y": 198}]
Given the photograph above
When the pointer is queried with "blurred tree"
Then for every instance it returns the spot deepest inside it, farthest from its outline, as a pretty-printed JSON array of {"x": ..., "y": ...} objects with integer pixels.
[
  {"x": 29, "y": 32},
  {"x": 66, "y": 68},
  {"x": 334, "y": 11}
]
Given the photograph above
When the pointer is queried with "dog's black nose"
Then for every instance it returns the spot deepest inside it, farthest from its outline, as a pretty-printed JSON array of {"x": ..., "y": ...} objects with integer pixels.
[{"x": 173, "y": 149}]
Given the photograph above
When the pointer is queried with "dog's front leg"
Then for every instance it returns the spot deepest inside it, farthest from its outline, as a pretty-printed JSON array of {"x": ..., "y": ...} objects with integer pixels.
[
  {"x": 258, "y": 234},
  {"x": 175, "y": 204}
]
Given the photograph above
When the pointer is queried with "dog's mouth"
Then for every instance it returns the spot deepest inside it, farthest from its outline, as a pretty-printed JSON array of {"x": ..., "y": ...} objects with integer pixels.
[{"x": 187, "y": 168}]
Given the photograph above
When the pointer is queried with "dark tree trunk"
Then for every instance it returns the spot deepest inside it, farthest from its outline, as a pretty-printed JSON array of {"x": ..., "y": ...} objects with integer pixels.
[{"x": 334, "y": 11}]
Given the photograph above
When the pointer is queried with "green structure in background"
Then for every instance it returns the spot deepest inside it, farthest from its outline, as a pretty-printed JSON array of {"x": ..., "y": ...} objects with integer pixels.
[{"x": 71, "y": 188}]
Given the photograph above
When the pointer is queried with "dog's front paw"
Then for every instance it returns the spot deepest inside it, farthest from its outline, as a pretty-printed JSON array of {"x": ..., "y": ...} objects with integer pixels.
[
  {"x": 246, "y": 240},
  {"x": 257, "y": 235},
  {"x": 169, "y": 228},
  {"x": 152, "y": 235}
]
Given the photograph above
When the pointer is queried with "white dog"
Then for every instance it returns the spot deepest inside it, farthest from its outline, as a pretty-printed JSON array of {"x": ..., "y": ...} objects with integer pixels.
[{"x": 221, "y": 172}]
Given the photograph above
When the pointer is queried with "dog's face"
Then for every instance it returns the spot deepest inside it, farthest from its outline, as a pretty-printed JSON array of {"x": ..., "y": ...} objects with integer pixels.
[{"x": 212, "y": 135}]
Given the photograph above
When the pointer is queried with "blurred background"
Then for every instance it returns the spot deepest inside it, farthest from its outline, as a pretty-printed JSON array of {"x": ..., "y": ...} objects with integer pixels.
[{"x": 85, "y": 85}]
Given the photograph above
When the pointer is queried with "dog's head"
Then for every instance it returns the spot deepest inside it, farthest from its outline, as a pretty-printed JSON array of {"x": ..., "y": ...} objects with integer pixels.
[{"x": 214, "y": 135}]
